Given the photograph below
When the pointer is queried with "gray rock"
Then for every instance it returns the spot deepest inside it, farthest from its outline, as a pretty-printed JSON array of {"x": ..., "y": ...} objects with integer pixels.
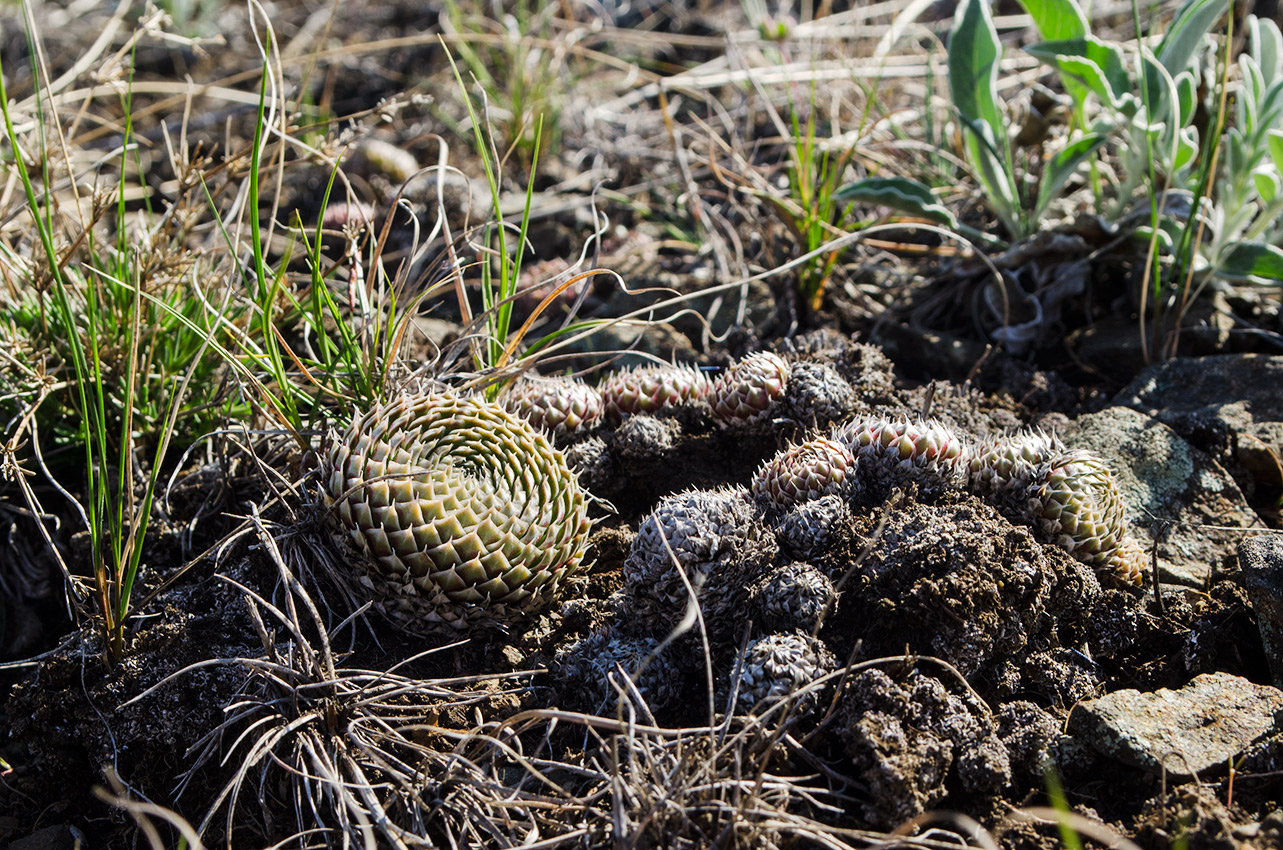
[
  {"x": 1162, "y": 477},
  {"x": 1210, "y": 399},
  {"x": 1188, "y": 732},
  {"x": 1261, "y": 559}
]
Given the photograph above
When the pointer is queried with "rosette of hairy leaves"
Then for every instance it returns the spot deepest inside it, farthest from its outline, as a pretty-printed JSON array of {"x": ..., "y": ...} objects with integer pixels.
[{"x": 459, "y": 503}]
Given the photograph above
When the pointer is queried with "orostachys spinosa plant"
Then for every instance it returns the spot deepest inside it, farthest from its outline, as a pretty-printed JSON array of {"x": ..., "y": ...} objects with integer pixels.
[
  {"x": 1071, "y": 494},
  {"x": 559, "y": 405},
  {"x": 914, "y": 447},
  {"x": 747, "y": 390},
  {"x": 647, "y": 389},
  {"x": 467, "y": 514},
  {"x": 804, "y": 471}
]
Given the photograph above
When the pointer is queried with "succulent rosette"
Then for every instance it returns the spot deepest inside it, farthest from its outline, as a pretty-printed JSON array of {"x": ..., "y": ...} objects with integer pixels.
[
  {"x": 902, "y": 445},
  {"x": 777, "y": 667},
  {"x": 746, "y": 391},
  {"x": 467, "y": 514},
  {"x": 1080, "y": 507},
  {"x": 1012, "y": 462},
  {"x": 803, "y": 472},
  {"x": 1071, "y": 495},
  {"x": 647, "y": 389},
  {"x": 559, "y": 405}
]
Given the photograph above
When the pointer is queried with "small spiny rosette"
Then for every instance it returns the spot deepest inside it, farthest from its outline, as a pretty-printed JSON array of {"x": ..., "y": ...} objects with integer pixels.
[
  {"x": 1081, "y": 509},
  {"x": 803, "y": 472},
  {"x": 647, "y": 389},
  {"x": 746, "y": 391},
  {"x": 559, "y": 405},
  {"x": 467, "y": 512},
  {"x": 777, "y": 667},
  {"x": 913, "y": 447},
  {"x": 1013, "y": 462}
]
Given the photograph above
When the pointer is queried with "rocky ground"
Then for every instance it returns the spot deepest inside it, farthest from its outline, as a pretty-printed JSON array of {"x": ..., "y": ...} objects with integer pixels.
[{"x": 897, "y": 651}]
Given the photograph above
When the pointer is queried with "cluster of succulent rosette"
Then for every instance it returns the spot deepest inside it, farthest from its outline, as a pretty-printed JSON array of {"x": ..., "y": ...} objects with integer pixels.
[
  {"x": 744, "y": 392},
  {"x": 1068, "y": 494},
  {"x": 469, "y": 515}
]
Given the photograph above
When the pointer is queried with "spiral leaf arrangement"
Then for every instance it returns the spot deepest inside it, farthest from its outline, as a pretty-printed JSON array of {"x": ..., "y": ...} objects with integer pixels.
[
  {"x": 914, "y": 447},
  {"x": 748, "y": 389},
  {"x": 650, "y": 388},
  {"x": 559, "y": 405},
  {"x": 467, "y": 513},
  {"x": 803, "y": 472}
]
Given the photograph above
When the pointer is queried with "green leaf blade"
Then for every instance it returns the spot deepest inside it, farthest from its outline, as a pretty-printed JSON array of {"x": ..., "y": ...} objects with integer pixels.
[
  {"x": 1253, "y": 260},
  {"x": 1057, "y": 19},
  {"x": 898, "y": 193}
]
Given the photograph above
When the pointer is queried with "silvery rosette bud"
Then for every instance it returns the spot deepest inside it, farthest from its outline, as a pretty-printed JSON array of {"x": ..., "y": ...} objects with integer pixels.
[
  {"x": 795, "y": 597},
  {"x": 748, "y": 389},
  {"x": 889, "y": 447},
  {"x": 647, "y": 389},
  {"x": 1080, "y": 507},
  {"x": 716, "y": 540},
  {"x": 778, "y": 667},
  {"x": 817, "y": 395},
  {"x": 559, "y": 405},
  {"x": 811, "y": 529},
  {"x": 467, "y": 514},
  {"x": 803, "y": 472},
  {"x": 591, "y": 669}
]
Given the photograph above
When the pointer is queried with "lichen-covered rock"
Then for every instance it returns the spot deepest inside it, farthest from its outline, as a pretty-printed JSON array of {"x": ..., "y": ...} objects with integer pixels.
[
  {"x": 817, "y": 396},
  {"x": 716, "y": 540},
  {"x": 647, "y": 389},
  {"x": 780, "y": 667},
  {"x": 804, "y": 472},
  {"x": 558, "y": 405},
  {"x": 795, "y": 597},
  {"x": 747, "y": 390}
]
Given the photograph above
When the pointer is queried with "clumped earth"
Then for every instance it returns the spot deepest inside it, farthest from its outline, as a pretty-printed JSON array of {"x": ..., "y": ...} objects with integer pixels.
[{"x": 897, "y": 653}]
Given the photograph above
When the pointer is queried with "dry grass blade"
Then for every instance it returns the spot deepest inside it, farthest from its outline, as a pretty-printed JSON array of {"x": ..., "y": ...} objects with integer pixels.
[{"x": 334, "y": 744}]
